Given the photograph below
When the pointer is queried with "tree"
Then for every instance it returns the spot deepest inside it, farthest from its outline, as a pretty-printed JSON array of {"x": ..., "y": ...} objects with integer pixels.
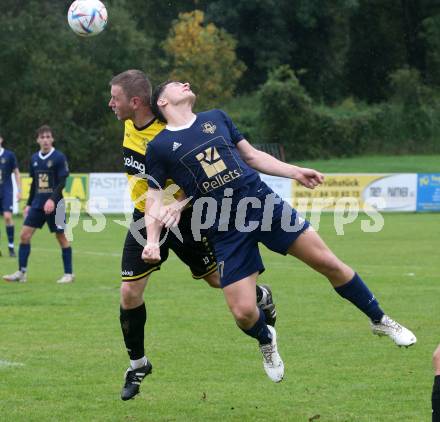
[
  {"x": 286, "y": 113},
  {"x": 431, "y": 36},
  {"x": 50, "y": 75},
  {"x": 205, "y": 56},
  {"x": 262, "y": 29}
]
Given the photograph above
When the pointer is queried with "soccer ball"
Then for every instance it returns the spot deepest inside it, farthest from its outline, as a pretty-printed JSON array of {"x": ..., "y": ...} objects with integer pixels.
[{"x": 87, "y": 17}]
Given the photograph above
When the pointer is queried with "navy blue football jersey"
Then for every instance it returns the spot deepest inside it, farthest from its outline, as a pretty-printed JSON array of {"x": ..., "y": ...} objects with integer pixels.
[
  {"x": 202, "y": 158},
  {"x": 46, "y": 172},
  {"x": 8, "y": 163}
]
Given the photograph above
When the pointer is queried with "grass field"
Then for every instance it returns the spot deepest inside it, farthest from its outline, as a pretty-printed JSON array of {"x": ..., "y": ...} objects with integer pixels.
[
  {"x": 378, "y": 164},
  {"x": 62, "y": 356}
]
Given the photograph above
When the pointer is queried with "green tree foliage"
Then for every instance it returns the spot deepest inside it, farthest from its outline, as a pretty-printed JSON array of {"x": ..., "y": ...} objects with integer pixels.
[
  {"x": 431, "y": 36},
  {"x": 413, "y": 115},
  {"x": 262, "y": 29},
  {"x": 198, "y": 50},
  {"x": 289, "y": 116},
  {"x": 338, "y": 48},
  {"x": 51, "y": 76}
]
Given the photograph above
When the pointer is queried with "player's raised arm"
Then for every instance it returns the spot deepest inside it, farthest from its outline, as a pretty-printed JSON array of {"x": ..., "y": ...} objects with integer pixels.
[
  {"x": 266, "y": 163},
  {"x": 153, "y": 224}
]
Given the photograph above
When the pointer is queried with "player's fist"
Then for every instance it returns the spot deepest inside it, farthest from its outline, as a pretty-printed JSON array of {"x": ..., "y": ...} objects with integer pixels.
[
  {"x": 49, "y": 206},
  {"x": 151, "y": 253}
]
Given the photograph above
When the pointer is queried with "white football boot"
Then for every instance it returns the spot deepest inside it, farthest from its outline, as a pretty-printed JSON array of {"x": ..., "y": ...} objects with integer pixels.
[
  {"x": 18, "y": 277},
  {"x": 272, "y": 363},
  {"x": 396, "y": 332},
  {"x": 66, "y": 278}
]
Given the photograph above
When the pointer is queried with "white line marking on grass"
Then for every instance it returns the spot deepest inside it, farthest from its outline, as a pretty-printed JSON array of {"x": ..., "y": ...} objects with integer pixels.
[
  {"x": 7, "y": 363},
  {"x": 81, "y": 252},
  {"x": 95, "y": 253}
]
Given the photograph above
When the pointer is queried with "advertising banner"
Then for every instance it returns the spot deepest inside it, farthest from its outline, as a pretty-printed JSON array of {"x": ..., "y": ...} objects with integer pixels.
[
  {"x": 77, "y": 187},
  {"x": 280, "y": 185},
  {"x": 109, "y": 194},
  {"x": 396, "y": 192},
  {"x": 428, "y": 192},
  {"x": 386, "y": 192}
]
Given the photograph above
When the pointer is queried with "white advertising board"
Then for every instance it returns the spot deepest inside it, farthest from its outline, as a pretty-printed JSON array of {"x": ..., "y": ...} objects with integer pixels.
[
  {"x": 398, "y": 192},
  {"x": 108, "y": 194}
]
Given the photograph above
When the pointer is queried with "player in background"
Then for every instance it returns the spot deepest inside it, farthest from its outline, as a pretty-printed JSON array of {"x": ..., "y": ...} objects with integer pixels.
[
  {"x": 436, "y": 386},
  {"x": 130, "y": 101},
  {"x": 8, "y": 166},
  {"x": 216, "y": 163},
  {"x": 49, "y": 171}
]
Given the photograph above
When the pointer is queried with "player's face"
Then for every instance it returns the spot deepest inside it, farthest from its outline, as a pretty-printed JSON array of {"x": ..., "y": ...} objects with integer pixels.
[
  {"x": 45, "y": 140},
  {"x": 1, "y": 141},
  {"x": 178, "y": 92},
  {"x": 120, "y": 104}
]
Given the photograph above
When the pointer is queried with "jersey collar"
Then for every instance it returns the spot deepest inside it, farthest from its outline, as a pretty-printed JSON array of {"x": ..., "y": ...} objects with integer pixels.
[
  {"x": 176, "y": 128},
  {"x": 2, "y": 150},
  {"x": 43, "y": 157},
  {"x": 144, "y": 126}
]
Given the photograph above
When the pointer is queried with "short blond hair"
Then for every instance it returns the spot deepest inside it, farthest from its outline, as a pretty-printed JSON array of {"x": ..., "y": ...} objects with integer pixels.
[{"x": 134, "y": 83}]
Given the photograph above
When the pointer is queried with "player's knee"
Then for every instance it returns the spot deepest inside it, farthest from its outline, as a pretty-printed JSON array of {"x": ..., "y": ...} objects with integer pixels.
[
  {"x": 25, "y": 237},
  {"x": 331, "y": 266},
  {"x": 62, "y": 240},
  {"x": 244, "y": 313},
  {"x": 131, "y": 295},
  {"x": 213, "y": 280}
]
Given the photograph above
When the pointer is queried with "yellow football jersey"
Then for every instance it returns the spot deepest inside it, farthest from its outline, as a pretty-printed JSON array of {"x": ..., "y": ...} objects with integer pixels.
[{"x": 134, "y": 150}]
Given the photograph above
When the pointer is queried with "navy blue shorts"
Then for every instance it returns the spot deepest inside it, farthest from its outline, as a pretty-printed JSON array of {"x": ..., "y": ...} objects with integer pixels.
[
  {"x": 237, "y": 251},
  {"x": 37, "y": 217},
  {"x": 6, "y": 202}
]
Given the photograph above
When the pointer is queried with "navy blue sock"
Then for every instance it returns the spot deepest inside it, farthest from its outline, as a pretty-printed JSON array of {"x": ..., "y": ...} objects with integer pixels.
[
  {"x": 23, "y": 254},
  {"x": 10, "y": 233},
  {"x": 359, "y": 295},
  {"x": 260, "y": 330},
  {"x": 67, "y": 260}
]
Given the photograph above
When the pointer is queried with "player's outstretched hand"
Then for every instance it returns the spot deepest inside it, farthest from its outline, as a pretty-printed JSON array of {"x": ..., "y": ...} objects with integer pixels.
[
  {"x": 309, "y": 178},
  {"x": 151, "y": 253}
]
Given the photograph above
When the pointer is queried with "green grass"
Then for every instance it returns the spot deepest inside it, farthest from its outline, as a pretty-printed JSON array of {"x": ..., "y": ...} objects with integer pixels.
[
  {"x": 66, "y": 345},
  {"x": 377, "y": 164}
]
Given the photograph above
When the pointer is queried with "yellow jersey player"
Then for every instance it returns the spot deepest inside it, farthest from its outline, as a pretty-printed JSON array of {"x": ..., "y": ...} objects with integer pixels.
[{"x": 130, "y": 101}]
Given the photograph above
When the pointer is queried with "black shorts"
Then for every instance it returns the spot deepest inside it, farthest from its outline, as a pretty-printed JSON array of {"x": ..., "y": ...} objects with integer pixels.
[{"x": 199, "y": 256}]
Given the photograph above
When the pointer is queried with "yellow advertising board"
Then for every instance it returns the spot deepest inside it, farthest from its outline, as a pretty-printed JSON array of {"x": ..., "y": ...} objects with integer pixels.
[
  {"x": 77, "y": 186},
  {"x": 334, "y": 188}
]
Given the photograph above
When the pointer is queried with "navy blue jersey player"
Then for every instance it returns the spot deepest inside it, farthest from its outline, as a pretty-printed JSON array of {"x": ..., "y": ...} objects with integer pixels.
[
  {"x": 48, "y": 170},
  {"x": 8, "y": 166},
  {"x": 211, "y": 161}
]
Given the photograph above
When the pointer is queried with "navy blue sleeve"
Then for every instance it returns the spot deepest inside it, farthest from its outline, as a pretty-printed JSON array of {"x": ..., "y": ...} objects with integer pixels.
[
  {"x": 31, "y": 168},
  {"x": 14, "y": 163},
  {"x": 62, "y": 167},
  {"x": 155, "y": 168},
  {"x": 236, "y": 136}
]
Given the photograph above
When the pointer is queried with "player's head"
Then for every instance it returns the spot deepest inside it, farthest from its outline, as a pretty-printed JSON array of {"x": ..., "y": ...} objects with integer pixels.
[
  {"x": 45, "y": 138},
  {"x": 171, "y": 93},
  {"x": 130, "y": 90},
  {"x": 1, "y": 140}
]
